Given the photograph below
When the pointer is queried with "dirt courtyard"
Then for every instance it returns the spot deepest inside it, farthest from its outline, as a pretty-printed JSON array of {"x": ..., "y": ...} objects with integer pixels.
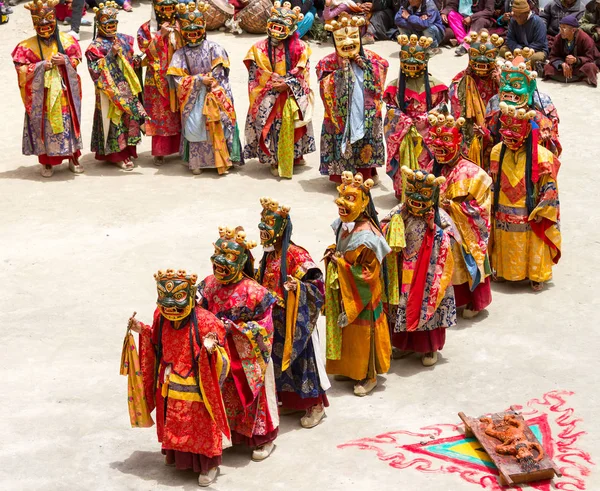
[{"x": 77, "y": 258}]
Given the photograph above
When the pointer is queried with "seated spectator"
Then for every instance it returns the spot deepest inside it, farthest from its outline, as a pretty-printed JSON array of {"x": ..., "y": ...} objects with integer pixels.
[
  {"x": 422, "y": 18},
  {"x": 309, "y": 11},
  {"x": 464, "y": 16},
  {"x": 382, "y": 18},
  {"x": 590, "y": 23},
  {"x": 572, "y": 56},
  {"x": 503, "y": 13},
  {"x": 526, "y": 29},
  {"x": 553, "y": 13}
]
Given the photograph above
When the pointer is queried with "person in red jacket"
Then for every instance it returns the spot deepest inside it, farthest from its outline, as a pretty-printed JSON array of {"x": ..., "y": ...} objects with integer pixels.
[{"x": 573, "y": 54}]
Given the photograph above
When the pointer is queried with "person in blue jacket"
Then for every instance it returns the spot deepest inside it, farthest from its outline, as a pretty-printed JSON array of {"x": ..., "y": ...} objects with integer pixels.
[{"x": 421, "y": 17}]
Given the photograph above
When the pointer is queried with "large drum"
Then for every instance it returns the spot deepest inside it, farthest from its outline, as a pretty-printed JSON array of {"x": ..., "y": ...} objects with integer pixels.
[
  {"x": 253, "y": 18},
  {"x": 217, "y": 14}
]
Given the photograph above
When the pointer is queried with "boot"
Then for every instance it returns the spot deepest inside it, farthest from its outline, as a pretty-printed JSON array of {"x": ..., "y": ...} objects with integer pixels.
[
  {"x": 314, "y": 415},
  {"x": 207, "y": 479},
  {"x": 47, "y": 171},
  {"x": 262, "y": 452},
  {"x": 365, "y": 387},
  {"x": 429, "y": 359}
]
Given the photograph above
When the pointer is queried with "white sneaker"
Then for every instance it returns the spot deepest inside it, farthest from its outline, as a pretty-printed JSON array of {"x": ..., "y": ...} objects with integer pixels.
[
  {"x": 74, "y": 35},
  {"x": 262, "y": 452},
  {"x": 314, "y": 415},
  {"x": 364, "y": 387},
  {"x": 207, "y": 479},
  {"x": 75, "y": 167},
  {"x": 429, "y": 359},
  {"x": 196, "y": 172},
  {"x": 47, "y": 171},
  {"x": 469, "y": 314}
]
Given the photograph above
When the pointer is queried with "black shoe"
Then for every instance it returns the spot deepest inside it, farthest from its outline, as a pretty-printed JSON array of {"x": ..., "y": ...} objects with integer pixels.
[{"x": 460, "y": 51}]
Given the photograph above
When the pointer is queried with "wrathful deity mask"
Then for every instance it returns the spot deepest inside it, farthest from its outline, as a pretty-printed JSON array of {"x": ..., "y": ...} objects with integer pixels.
[
  {"x": 445, "y": 137},
  {"x": 106, "y": 19},
  {"x": 355, "y": 195},
  {"x": 422, "y": 191},
  {"x": 192, "y": 22},
  {"x": 176, "y": 293},
  {"x": 43, "y": 17},
  {"x": 483, "y": 51},
  {"x": 414, "y": 54},
  {"x": 273, "y": 221},
  {"x": 283, "y": 21},
  {"x": 165, "y": 11},
  {"x": 231, "y": 253},
  {"x": 517, "y": 80},
  {"x": 515, "y": 125},
  {"x": 346, "y": 34}
]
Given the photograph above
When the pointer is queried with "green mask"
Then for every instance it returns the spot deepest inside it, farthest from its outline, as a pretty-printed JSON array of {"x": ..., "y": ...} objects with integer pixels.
[
  {"x": 176, "y": 293},
  {"x": 273, "y": 221},
  {"x": 517, "y": 80},
  {"x": 231, "y": 255}
]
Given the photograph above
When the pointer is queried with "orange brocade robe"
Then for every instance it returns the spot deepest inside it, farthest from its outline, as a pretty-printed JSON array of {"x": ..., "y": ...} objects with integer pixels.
[
  {"x": 362, "y": 348},
  {"x": 193, "y": 418}
]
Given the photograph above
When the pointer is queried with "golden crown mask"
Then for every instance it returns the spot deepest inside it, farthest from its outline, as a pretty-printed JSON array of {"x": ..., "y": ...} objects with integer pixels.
[
  {"x": 516, "y": 113},
  {"x": 357, "y": 181},
  {"x": 413, "y": 41},
  {"x": 519, "y": 61},
  {"x": 295, "y": 12},
  {"x": 483, "y": 37},
  {"x": 237, "y": 235},
  {"x": 420, "y": 180},
  {"x": 38, "y": 5},
  {"x": 344, "y": 20},
  {"x": 180, "y": 274},
  {"x": 272, "y": 205},
  {"x": 106, "y": 6}
]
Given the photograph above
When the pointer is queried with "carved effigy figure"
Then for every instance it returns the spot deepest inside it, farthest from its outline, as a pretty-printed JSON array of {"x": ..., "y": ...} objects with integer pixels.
[
  {"x": 358, "y": 339},
  {"x": 119, "y": 114},
  {"x": 518, "y": 88},
  {"x": 278, "y": 126},
  {"x": 200, "y": 72},
  {"x": 420, "y": 268},
  {"x": 246, "y": 307},
  {"x": 526, "y": 240},
  {"x": 292, "y": 276},
  {"x": 472, "y": 88},
  {"x": 466, "y": 195},
  {"x": 511, "y": 432},
  {"x": 183, "y": 363},
  {"x": 408, "y": 99},
  {"x": 158, "y": 39},
  {"x": 351, "y": 84},
  {"x": 51, "y": 91}
]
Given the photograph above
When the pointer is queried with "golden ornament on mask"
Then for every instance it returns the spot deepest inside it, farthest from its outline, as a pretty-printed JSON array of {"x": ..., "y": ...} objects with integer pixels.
[
  {"x": 513, "y": 112},
  {"x": 344, "y": 20},
  {"x": 179, "y": 275},
  {"x": 237, "y": 235}
]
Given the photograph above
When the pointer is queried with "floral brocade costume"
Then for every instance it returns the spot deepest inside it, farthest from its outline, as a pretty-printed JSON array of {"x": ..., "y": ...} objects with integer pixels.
[
  {"x": 182, "y": 381},
  {"x": 355, "y": 286},
  {"x": 469, "y": 97},
  {"x": 249, "y": 390},
  {"x": 406, "y": 129},
  {"x": 52, "y": 99},
  {"x": 209, "y": 125},
  {"x": 352, "y": 132},
  {"x": 420, "y": 271},
  {"x": 299, "y": 368},
  {"x": 118, "y": 114},
  {"x": 272, "y": 133},
  {"x": 468, "y": 200},
  {"x": 160, "y": 100},
  {"x": 523, "y": 248}
]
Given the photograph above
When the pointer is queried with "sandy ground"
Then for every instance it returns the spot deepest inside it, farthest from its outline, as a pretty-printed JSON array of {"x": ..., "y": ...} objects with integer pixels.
[{"x": 78, "y": 254}]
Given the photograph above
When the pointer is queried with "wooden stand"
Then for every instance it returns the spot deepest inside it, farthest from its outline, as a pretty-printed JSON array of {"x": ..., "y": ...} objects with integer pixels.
[{"x": 509, "y": 469}]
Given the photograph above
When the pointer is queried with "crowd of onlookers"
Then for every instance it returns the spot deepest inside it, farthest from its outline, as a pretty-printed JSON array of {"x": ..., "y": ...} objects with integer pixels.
[{"x": 565, "y": 34}]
